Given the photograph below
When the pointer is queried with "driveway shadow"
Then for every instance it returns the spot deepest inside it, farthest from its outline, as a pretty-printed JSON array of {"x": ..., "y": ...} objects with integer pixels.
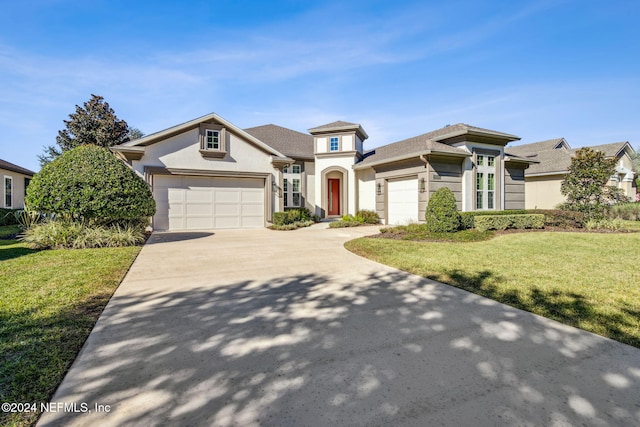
[
  {"x": 309, "y": 350},
  {"x": 176, "y": 236}
]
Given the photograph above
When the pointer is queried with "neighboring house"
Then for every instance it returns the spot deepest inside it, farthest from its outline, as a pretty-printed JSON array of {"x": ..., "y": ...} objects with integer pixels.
[
  {"x": 208, "y": 173},
  {"x": 15, "y": 180},
  {"x": 543, "y": 180}
]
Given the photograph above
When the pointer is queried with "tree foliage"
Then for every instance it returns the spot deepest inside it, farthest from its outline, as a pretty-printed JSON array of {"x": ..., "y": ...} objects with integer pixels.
[
  {"x": 442, "y": 214},
  {"x": 89, "y": 182},
  {"x": 94, "y": 123},
  {"x": 585, "y": 183}
]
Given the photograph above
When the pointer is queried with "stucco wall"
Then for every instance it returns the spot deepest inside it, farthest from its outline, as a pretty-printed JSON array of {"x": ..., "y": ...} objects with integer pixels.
[
  {"x": 183, "y": 151},
  {"x": 336, "y": 161},
  {"x": 17, "y": 190},
  {"x": 366, "y": 189},
  {"x": 543, "y": 192}
]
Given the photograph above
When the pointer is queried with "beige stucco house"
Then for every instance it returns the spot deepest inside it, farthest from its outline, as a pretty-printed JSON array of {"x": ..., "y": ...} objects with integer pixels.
[
  {"x": 15, "y": 180},
  {"x": 208, "y": 173},
  {"x": 543, "y": 179}
]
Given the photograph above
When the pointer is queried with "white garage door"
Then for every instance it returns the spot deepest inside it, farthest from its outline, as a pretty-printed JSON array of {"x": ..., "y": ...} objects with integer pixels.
[
  {"x": 201, "y": 203},
  {"x": 402, "y": 201}
]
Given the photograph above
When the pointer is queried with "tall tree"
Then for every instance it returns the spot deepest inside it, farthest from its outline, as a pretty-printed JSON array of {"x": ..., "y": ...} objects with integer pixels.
[
  {"x": 135, "y": 133},
  {"x": 585, "y": 183},
  {"x": 635, "y": 159},
  {"x": 93, "y": 123}
]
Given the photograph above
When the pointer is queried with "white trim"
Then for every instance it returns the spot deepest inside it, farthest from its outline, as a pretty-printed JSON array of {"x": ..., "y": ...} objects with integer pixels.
[{"x": 4, "y": 192}]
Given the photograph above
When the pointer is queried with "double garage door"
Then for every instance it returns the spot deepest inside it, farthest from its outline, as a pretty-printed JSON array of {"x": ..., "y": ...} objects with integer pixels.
[
  {"x": 402, "y": 201},
  {"x": 202, "y": 203}
]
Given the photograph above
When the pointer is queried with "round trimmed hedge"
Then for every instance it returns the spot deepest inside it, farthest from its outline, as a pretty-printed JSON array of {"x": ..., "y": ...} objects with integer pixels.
[
  {"x": 90, "y": 182},
  {"x": 442, "y": 214}
]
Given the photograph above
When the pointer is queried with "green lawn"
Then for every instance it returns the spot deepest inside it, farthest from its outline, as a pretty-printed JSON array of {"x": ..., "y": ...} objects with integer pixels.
[
  {"x": 587, "y": 280},
  {"x": 49, "y": 302}
]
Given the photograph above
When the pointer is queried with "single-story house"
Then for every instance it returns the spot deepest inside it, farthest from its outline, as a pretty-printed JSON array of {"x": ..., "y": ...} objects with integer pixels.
[
  {"x": 15, "y": 180},
  {"x": 543, "y": 179},
  {"x": 208, "y": 173}
]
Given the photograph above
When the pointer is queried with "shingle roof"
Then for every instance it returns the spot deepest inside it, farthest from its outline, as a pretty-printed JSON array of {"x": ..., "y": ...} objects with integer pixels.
[
  {"x": 336, "y": 124},
  {"x": 550, "y": 161},
  {"x": 536, "y": 147},
  {"x": 15, "y": 168},
  {"x": 419, "y": 144},
  {"x": 289, "y": 142},
  {"x": 558, "y": 160},
  {"x": 610, "y": 150}
]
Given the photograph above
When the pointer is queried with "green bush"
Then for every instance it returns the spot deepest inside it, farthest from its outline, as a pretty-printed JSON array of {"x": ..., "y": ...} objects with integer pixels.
[
  {"x": 561, "y": 218},
  {"x": 604, "y": 224},
  {"x": 466, "y": 218},
  {"x": 7, "y": 217},
  {"x": 279, "y": 218},
  {"x": 65, "y": 234},
  {"x": 292, "y": 226},
  {"x": 89, "y": 182},
  {"x": 503, "y": 222},
  {"x": 626, "y": 211},
  {"x": 367, "y": 216},
  {"x": 442, "y": 213}
]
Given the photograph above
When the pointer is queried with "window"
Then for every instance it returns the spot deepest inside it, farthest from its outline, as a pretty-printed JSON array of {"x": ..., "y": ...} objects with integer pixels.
[
  {"x": 291, "y": 186},
  {"x": 334, "y": 144},
  {"x": 8, "y": 192},
  {"x": 485, "y": 182},
  {"x": 479, "y": 189},
  {"x": 212, "y": 140}
]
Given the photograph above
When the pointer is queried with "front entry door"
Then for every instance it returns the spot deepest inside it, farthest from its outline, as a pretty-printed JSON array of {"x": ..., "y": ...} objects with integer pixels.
[{"x": 334, "y": 197}]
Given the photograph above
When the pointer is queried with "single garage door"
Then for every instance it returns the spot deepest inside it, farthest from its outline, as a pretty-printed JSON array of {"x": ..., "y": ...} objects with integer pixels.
[
  {"x": 402, "y": 201},
  {"x": 201, "y": 203}
]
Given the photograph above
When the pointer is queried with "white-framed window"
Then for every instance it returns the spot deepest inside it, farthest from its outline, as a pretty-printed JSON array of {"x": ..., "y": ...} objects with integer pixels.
[
  {"x": 334, "y": 143},
  {"x": 8, "y": 192},
  {"x": 485, "y": 182},
  {"x": 212, "y": 139},
  {"x": 292, "y": 179}
]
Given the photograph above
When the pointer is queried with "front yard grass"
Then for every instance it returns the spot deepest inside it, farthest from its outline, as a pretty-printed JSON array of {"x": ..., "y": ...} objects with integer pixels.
[
  {"x": 7, "y": 231},
  {"x": 49, "y": 302},
  {"x": 587, "y": 280}
]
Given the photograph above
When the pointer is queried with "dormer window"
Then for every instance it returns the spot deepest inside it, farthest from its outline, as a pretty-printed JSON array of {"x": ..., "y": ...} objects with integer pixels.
[
  {"x": 212, "y": 141},
  {"x": 334, "y": 143}
]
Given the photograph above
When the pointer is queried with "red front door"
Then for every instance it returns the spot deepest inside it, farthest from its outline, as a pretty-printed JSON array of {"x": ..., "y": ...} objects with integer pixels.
[{"x": 334, "y": 197}]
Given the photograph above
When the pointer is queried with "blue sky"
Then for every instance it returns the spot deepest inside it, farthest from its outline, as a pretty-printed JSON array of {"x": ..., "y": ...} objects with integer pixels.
[{"x": 537, "y": 69}]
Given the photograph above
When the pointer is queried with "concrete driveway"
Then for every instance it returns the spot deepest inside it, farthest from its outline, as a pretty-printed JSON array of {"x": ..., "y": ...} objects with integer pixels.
[{"x": 256, "y": 327}]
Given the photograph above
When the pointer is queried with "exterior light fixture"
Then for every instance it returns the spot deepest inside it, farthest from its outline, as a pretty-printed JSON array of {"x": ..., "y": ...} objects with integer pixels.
[
  {"x": 276, "y": 189},
  {"x": 379, "y": 189},
  {"x": 423, "y": 185}
]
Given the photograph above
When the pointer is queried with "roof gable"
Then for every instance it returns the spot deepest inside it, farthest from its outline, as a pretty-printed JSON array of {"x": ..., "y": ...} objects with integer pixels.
[
  {"x": 338, "y": 126},
  {"x": 535, "y": 147},
  {"x": 15, "y": 168},
  {"x": 192, "y": 124},
  {"x": 430, "y": 142}
]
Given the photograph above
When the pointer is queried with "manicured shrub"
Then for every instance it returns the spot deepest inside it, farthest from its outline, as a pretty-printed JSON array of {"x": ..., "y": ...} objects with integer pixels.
[
  {"x": 466, "y": 218},
  {"x": 503, "y": 222},
  {"x": 345, "y": 223},
  {"x": 442, "y": 213},
  {"x": 562, "y": 218},
  {"x": 89, "y": 182},
  {"x": 292, "y": 226}
]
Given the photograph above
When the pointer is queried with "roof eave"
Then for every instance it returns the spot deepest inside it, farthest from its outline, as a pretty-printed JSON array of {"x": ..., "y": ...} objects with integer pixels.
[{"x": 409, "y": 156}]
